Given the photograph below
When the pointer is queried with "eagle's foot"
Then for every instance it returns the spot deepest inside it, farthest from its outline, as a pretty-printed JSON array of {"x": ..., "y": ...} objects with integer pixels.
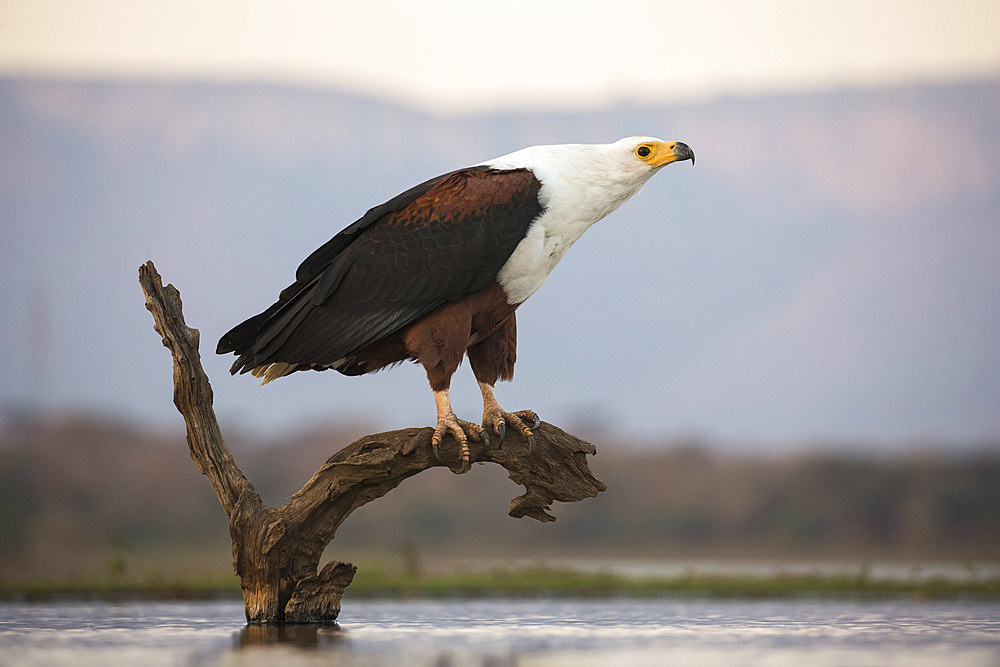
[
  {"x": 462, "y": 431},
  {"x": 496, "y": 419}
]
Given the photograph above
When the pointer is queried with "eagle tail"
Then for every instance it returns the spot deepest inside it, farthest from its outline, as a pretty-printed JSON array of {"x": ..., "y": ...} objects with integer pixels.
[
  {"x": 270, "y": 372},
  {"x": 248, "y": 337}
]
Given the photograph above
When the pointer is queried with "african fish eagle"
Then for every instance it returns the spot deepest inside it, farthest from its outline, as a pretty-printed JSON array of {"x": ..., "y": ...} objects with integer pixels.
[{"x": 437, "y": 273}]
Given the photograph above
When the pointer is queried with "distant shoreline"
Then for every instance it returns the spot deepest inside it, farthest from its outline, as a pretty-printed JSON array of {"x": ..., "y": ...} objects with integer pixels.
[{"x": 537, "y": 582}]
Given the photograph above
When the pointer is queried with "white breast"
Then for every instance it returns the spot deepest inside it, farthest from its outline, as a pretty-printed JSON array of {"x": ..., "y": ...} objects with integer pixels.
[
  {"x": 532, "y": 262},
  {"x": 580, "y": 185}
]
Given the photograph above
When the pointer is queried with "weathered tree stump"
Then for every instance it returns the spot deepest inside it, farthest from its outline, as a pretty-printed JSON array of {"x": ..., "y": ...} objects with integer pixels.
[{"x": 276, "y": 551}]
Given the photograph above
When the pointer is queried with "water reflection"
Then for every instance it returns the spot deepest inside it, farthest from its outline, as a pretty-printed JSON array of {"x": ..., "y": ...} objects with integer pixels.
[
  {"x": 508, "y": 632},
  {"x": 306, "y": 636}
]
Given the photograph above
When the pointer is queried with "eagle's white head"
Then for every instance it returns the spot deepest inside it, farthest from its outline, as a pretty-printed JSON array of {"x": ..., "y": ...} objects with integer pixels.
[
  {"x": 580, "y": 184},
  {"x": 628, "y": 163},
  {"x": 619, "y": 169},
  {"x": 643, "y": 156}
]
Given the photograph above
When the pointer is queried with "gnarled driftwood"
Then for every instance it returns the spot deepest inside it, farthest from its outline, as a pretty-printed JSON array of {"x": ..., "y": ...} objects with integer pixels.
[{"x": 276, "y": 551}]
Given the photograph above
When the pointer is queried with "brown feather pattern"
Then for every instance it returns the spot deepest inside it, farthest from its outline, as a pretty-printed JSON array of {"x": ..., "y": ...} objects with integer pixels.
[{"x": 412, "y": 278}]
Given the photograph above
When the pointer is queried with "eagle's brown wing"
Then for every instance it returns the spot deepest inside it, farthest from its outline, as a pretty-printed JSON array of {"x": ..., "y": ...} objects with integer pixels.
[{"x": 439, "y": 241}]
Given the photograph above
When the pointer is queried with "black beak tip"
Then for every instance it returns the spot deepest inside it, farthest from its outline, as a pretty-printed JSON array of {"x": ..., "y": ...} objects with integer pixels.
[{"x": 684, "y": 151}]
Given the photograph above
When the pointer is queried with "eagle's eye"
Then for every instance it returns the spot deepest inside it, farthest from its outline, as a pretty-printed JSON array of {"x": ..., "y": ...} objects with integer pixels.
[{"x": 643, "y": 151}]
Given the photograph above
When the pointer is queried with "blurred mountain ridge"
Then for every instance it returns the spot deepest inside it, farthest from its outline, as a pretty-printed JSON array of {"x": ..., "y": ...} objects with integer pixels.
[{"x": 827, "y": 270}]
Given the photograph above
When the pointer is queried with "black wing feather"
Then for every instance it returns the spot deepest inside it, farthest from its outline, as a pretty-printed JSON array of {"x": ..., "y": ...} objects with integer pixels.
[
  {"x": 439, "y": 241},
  {"x": 322, "y": 256}
]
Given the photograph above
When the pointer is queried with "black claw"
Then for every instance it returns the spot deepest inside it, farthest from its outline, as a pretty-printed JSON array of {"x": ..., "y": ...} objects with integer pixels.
[
  {"x": 486, "y": 440},
  {"x": 538, "y": 422},
  {"x": 434, "y": 449},
  {"x": 502, "y": 434}
]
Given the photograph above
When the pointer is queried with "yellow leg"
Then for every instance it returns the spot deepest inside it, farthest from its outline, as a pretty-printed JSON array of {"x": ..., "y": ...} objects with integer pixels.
[
  {"x": 461, "y": 430},
  {"x": 495, "y": 418}
]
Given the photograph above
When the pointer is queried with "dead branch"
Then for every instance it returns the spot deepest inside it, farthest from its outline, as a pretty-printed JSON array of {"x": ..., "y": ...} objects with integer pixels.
[{"x": 276, "y": 551}]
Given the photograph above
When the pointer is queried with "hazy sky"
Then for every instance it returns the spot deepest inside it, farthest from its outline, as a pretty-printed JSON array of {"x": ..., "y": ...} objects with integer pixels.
[
  {"x": 828, "y": 317},
  {"x": 458, "y": 55}
]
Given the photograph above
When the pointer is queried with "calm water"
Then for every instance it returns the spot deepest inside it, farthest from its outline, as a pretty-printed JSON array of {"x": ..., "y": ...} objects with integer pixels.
[{"x": 511, "y": 632}]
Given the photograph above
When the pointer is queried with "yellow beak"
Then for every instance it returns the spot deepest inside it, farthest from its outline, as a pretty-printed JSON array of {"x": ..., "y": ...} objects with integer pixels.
[{"x": 670, "y": 151}]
